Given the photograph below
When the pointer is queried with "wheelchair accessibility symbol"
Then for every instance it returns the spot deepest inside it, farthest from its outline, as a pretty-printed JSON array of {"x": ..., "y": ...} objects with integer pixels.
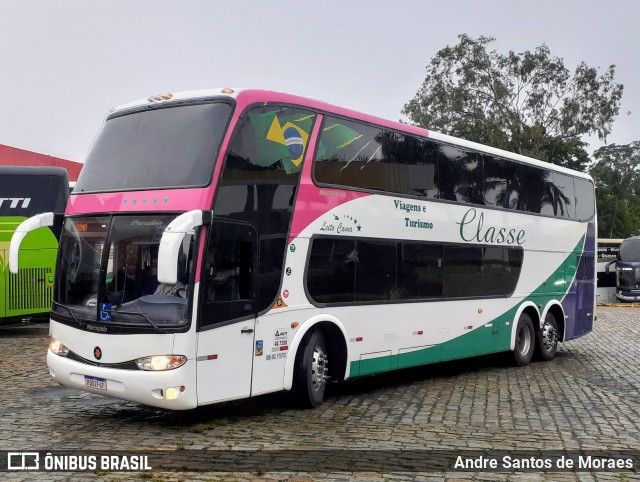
[{"x": 104, "y": 312}]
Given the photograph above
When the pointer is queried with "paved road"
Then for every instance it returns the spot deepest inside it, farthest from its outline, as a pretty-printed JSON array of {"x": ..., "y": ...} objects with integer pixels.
[{"x": 586, "y": 399}]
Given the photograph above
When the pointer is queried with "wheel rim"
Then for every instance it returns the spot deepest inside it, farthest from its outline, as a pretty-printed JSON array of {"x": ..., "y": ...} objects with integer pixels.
[
  {"x": 319, "y": 368},
  {"x": 549, "y": 336},
  {"x": 523, "y": 340}
]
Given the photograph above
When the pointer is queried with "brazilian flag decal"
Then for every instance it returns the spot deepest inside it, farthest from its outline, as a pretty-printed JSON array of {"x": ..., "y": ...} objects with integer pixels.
[
  {"x": 282, "y": 136},
  {"x": 336, "y": 137},
  {"x": 342, "y": 142}
]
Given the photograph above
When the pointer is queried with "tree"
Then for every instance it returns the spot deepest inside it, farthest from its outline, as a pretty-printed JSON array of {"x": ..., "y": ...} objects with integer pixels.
[
  {"x": 528, "y": 103},
  {"x": 617, "y": 177}
]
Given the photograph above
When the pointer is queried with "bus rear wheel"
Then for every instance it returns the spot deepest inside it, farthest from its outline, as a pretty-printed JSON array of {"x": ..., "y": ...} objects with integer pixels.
[
  {"x": 312, "y": 371},
  {"x": 525, "y": 341},
  {"x": 547, "y": 340}
]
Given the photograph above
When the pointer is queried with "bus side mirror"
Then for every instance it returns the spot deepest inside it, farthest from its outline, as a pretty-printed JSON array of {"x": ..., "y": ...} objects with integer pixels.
[
  {"x": 24, "y": 228},
  {"x": 171, "y": 242},
  {"x": 606, "y": 269}
]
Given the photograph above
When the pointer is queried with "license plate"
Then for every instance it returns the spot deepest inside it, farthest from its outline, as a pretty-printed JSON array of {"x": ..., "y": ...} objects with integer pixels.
[{"x": 95, "y": 382}]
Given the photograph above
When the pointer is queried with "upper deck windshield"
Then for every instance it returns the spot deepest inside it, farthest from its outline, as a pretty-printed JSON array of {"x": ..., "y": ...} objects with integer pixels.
[
  {"x": 160, "y": 148},
  {"x": 107, "y": 273}
]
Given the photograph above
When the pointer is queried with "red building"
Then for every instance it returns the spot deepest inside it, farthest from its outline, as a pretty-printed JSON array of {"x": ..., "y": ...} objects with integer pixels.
[{"x": 12, "y": 156}]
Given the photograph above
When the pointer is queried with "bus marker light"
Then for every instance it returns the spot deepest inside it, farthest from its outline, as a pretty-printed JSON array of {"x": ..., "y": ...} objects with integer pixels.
[
  {"x": 295, "y": 325},
  {"x": 172, "y": 393},
  {"x": 479, "y": 310},
  {"x": 212, "y": 357},
  {"x": 158, "y": 98},
  {"x": 359, "y": 338},
  {"x": 227, "y": 91}
]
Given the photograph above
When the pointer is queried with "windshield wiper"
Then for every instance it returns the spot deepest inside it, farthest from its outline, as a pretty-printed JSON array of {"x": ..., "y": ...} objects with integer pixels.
[
  {"x": 143, "y": 315},
  {"x": 68, "y": 309}
]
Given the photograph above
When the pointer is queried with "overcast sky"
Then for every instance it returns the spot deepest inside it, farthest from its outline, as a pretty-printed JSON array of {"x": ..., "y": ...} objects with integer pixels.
[{"x": 66, "y": 62}]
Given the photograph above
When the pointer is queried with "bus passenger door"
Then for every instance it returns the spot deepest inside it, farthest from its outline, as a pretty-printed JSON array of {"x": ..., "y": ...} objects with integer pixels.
[{"x": 227, "y": 313}]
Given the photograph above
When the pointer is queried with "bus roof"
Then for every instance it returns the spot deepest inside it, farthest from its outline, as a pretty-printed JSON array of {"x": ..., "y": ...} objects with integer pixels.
[
  {"x": 34, "y": 171},
  {"x": 251, "y": 96}
]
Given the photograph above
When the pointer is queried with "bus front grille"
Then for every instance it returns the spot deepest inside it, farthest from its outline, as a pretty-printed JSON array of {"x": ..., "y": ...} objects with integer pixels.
[{"x": 30, "y": 289}]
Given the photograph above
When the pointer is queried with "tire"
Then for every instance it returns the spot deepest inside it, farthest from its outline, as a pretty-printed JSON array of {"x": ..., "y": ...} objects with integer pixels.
[
  {"x": 547, "y": 339},
  {"x": 525, "y": 341},
  {"x": 312, "y": 373}
]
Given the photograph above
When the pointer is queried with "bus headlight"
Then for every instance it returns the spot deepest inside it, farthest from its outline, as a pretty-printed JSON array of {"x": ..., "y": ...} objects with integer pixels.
[
  {"x": 161, "y": 362},
  {"x": 58, "y": 348}
]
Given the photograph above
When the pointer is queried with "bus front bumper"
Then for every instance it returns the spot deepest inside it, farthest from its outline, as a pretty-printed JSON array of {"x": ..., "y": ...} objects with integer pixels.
[
  {"x": 627, "y": 297},
  {"x": 162, "y": 389}
]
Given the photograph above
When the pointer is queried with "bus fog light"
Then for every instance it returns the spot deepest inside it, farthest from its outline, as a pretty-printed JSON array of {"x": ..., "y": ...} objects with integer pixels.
[
  {"x": 161, "y": 362},
  {"x": 173, "y": 392},
  {"x": 58, "y": 348}
]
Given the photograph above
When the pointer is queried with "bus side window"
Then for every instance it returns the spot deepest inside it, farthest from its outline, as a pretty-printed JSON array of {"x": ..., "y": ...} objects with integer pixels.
[{"x": 229, "y": 273}]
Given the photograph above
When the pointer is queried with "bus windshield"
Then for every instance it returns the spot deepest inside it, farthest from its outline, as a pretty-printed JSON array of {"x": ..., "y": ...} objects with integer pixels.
[
  {"x": 160, "y": 148},
  {"x": 107, "y": 272},
  {"x": 628, "y": 276}
]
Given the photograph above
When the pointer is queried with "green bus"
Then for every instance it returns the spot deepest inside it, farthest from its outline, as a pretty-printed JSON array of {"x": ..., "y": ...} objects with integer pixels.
[{"x": 25, "y": 191}]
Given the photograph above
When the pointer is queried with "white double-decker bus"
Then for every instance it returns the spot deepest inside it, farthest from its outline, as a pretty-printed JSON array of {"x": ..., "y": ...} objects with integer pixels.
[{"x": 223, "y": 244}]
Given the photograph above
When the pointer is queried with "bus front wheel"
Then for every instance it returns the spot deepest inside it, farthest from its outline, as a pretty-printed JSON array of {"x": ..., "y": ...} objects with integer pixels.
[
  {"x": 547, "y": 342},
  {"x": 312, "y": 371},
  {"x": 525, "y": 341}
]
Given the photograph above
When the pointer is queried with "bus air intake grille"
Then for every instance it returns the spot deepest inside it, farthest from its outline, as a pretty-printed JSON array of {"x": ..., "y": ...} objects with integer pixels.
[
  {"x": 29, "y": 289},
  {"x": 128, "y": 365}
]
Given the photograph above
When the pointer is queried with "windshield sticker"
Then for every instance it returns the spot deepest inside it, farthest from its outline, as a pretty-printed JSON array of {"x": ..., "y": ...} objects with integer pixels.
[{"x": 105, "y": 311}]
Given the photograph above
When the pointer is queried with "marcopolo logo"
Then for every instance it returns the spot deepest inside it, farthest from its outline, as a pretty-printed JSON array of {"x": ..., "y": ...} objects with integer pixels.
[{"x": 15, "y": 202}]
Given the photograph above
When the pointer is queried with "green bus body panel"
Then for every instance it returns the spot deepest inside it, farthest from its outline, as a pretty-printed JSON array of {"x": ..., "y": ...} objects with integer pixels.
[
  {"x": 31, "y": 290},
  {"x": 484, "y": 339},
  {"x": 377, "y": 364}
]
